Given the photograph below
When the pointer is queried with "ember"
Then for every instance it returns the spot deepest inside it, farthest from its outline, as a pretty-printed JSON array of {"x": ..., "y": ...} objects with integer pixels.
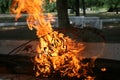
[
  {"x": 103, "y": 69},
  {"x": 55, "y": 52}
]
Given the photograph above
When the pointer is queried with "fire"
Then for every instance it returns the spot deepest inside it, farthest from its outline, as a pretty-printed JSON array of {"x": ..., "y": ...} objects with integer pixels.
[
  {"x": 55, "y": 51},
  {"x": 58, "y": 53},
  {"x": 103, "y": 69},
  {"x": 36, "y": 18}
]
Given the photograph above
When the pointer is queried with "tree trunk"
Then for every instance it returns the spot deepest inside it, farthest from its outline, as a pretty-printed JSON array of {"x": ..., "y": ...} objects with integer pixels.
[
  {"x": 63, "y": 20},
  {"x": 77, "y": 8},
  {"x": 113, "y": 9},
  {"x": 83, "y": 3},
  {"x": 117, "y": 10}
]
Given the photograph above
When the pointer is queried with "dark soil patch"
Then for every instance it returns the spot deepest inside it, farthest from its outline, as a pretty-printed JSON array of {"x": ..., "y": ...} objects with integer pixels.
[
  {"x": 17, "y": 64},
  {"x": 87, "y": 34}
]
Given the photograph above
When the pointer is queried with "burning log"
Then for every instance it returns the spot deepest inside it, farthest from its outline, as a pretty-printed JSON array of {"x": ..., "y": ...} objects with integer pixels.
[{"x": 55, "y": 54}]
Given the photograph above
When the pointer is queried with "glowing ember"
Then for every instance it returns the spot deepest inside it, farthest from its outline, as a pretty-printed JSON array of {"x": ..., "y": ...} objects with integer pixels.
[
  {"x": 103, "y": 69},
  {"x": 89, "y": 78},
  {"x": 56, "y": 53}
]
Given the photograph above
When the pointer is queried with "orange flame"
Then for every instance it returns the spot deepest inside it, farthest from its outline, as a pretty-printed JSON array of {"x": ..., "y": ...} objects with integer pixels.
[
  {"x": 36, "y": 18},
  {"x": 55, "y": 51}
]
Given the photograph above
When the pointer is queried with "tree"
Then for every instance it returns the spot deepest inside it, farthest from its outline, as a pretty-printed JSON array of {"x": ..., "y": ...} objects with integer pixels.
[
  {"x": 50, "y": 6},
  {"x": 63, "y": 20},
  {"x": 84, "y": 9},
  {"x": 113, "y": 5},
  {"x": 4, "y": 5},
  {"x": 74, "y": 6},
  {"x": 77, "y": 8}
]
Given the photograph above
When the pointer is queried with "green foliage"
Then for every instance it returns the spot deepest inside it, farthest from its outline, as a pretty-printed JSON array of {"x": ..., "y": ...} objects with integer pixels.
[
  {"x": 4, "y": 6},
  {"x": 50, "y": 7},
  {"x": 96, "y": 3},
  {"x": 71, "y": 3},
  {"x": 112, "y": 3}
]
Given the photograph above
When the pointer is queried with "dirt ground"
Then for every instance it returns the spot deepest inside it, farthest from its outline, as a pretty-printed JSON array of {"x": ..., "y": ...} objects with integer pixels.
[{"x": 107, "y": 39}]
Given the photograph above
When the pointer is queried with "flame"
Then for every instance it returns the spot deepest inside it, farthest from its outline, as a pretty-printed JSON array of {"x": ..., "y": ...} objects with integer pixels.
[
  {"x": 36, "y": 18},
  {"x": 103, "y": 69},
  {"x": 55, "y": 51}
]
